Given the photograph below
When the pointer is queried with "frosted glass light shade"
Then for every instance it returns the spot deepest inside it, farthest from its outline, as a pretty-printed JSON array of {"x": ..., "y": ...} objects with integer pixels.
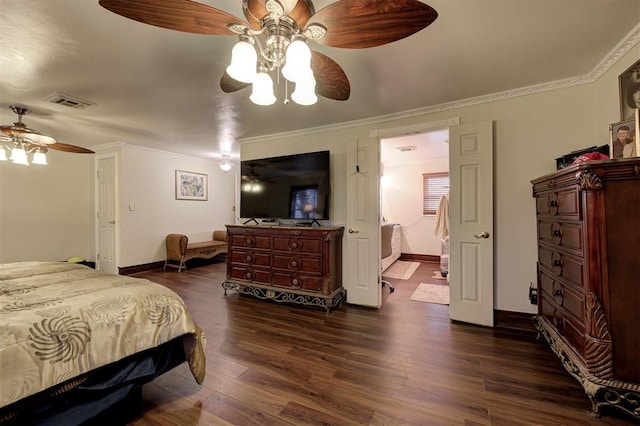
[
  {"x": 226, "y": 165},
  {"x": 19, "y": 156},
  {"x": 298, "y": 61},
  {"x": 39, "y": 158},
  {"x": 305, "y": 93},
  {"x": 262, "y": 93},
  {"x": 243, "y": 62},
  {"x": 3, "y": 154}
]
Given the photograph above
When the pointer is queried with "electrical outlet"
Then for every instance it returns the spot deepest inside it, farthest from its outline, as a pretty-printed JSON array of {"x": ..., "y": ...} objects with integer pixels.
[{"x": 533, "y": 294}]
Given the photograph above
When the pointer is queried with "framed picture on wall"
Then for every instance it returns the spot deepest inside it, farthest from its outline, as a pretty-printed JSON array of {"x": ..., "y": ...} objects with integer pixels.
[
  {"x": 191, "y": 186},
  {"x": 623, "y": 137},
  {"x": 629, "y": 82}
]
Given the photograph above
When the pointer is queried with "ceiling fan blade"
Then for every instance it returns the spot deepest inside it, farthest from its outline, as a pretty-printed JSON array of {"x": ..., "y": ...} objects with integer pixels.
[
  {"x": 179, "y": 15},
  {"x": 59, "y": 146},
  {"x": 331, "y": 81},
  {"x": 228, "y": 84},
  {"x": 359, "y": 24}
]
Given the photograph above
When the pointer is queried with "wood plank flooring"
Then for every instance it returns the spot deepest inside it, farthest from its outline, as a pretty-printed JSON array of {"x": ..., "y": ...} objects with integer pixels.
[{"x": 403, "y": 364}]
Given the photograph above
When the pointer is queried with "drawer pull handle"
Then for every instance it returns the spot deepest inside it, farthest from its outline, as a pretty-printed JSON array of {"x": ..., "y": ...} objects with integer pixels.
[
  {"x": 558, "y": 323},
  {"x": 249, "y": 259},
  {"x": 250, "y": 242},
  {"x": 557, "y": 293},
  {"x": 295, "y": 281},
  {"x": 553, "y": 203},
  {"x": 249, "y": 275},
  {"x": 556, "y": 233},
  {"x": 556, "y": 263},
  {"x": 294, "y": 245},
  {"x": 294, "y": 264}
]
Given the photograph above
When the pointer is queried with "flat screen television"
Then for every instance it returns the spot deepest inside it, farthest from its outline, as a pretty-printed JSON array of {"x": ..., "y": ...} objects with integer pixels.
[{"x": 288, "y": 187}]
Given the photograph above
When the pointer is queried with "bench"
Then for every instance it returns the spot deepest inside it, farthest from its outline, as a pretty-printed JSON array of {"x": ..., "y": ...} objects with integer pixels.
[{"x": 179, "y": 249}]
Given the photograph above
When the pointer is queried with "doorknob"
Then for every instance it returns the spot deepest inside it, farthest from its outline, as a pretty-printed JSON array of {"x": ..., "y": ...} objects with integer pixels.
[
  {"x": 483, "y": 234},
  {"x": 353, "y": 231}
]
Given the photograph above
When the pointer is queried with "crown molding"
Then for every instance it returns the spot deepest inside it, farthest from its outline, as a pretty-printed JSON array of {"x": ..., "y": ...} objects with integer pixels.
[{"x": 621, "y": 49}]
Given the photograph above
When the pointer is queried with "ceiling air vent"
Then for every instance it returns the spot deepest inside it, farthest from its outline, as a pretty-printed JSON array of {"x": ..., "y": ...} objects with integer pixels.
[
  {"x": 407, "y": 148},
  {"x": 68, "y": 101}
]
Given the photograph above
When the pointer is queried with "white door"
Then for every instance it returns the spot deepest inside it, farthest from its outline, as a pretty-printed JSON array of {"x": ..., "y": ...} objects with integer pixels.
[
  {"x": 106, "y": 223},
  {"x": 363, "y": 224},
  {"x": 471, "y": 216}
]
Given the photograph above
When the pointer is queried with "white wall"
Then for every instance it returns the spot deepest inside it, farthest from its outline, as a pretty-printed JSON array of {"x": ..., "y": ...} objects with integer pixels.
[
  {"x": 402, "y": 203},
  {"x": 529, "y": 133},
  {"x": 46, "y": 212},
  {"x": 147, "y": 180}
]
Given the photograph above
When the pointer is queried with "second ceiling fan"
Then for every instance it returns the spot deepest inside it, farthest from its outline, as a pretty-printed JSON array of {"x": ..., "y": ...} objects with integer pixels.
[{"x": 272, "y": 26}]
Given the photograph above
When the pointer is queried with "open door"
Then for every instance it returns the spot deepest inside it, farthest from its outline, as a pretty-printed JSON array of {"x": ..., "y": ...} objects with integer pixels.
[
  {"x": 363, "y": 223},
  {"x": 471, "y": 223}
]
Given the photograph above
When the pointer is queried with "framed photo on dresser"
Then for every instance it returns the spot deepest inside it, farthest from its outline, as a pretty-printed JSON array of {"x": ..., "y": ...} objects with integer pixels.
[{"x": 623, "y": 138}]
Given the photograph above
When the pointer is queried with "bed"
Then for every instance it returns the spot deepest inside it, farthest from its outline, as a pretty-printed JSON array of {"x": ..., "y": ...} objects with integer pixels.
[{"x": 76, "y": 343}]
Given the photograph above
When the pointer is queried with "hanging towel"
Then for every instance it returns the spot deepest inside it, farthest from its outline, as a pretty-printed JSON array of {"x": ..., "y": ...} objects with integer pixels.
[{"x": 441, "y": 227}]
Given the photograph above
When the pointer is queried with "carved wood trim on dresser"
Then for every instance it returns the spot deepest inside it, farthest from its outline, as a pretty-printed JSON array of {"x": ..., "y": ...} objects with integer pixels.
[
  {"x": 588, "y": 222},
  {"x": 286, "y": 264}
]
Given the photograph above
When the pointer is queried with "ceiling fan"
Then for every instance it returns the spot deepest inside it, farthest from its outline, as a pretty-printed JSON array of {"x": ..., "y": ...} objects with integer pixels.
[
  {"x": 24, "y": 140},
  {"x": 354, "y": 24}
]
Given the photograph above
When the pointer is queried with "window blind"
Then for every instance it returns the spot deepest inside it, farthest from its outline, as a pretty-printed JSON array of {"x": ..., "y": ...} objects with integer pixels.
[{"x": 434, "y": 185}]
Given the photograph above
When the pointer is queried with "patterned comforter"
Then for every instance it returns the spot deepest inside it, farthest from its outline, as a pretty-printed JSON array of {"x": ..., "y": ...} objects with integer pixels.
[{"x": 60, "y": 320}]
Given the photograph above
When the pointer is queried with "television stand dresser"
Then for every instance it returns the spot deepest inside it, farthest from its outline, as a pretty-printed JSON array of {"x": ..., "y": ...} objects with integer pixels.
[
  {"x": 289, "y": 264},
  {"x": 589, "y": 277}
]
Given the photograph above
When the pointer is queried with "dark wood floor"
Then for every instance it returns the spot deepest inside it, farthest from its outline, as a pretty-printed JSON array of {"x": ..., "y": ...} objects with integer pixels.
[{"x": 404, "y": 364}]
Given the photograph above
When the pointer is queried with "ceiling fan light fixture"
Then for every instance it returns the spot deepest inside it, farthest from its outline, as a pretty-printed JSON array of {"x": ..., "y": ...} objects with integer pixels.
[
  {"x": 225, "y": 164},
  {"x": 262, "y": 93},
  {"x": 274, "y": 26},
  {"x": 243, "y": 60}
]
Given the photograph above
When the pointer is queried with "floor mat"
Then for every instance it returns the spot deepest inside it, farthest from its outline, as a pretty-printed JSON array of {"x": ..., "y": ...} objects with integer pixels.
[
  {"x": 431, "y": 293},
  {"x": 401, "y": 270}
]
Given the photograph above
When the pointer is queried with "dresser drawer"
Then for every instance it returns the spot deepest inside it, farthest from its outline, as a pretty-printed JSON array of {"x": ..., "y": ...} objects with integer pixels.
[
  {"x": 248, "y": 273},
  {"x": 562, "y": 264},
  {"x": 250, "y": 241},
  {"x": 250, "y": 257},
  {"x": 559, "y": 203},
  {"x": 572, "y": 331},
  {"x": 308, "y": 265},
  {"x": 297, "y": 281},
  {"x": 561, "y": 234},
  {"x": 563, "y": 295},
  {"x": 297, "y": 245}
]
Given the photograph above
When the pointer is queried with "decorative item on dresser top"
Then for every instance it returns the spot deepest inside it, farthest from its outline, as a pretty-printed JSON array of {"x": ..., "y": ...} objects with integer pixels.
[
  {"x": 588, "y": 277},
  {"x": 286, "y": 264}
]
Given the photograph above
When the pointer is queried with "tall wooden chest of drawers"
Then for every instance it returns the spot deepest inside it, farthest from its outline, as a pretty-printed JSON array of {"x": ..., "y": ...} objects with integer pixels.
[
  {"x": 588, "y": 219},
  {"x": 286, "y": 264}
]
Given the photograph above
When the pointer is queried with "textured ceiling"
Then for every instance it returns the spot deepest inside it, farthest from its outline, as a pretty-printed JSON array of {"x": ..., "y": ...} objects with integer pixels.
[{"x": 160, "y": 88}]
